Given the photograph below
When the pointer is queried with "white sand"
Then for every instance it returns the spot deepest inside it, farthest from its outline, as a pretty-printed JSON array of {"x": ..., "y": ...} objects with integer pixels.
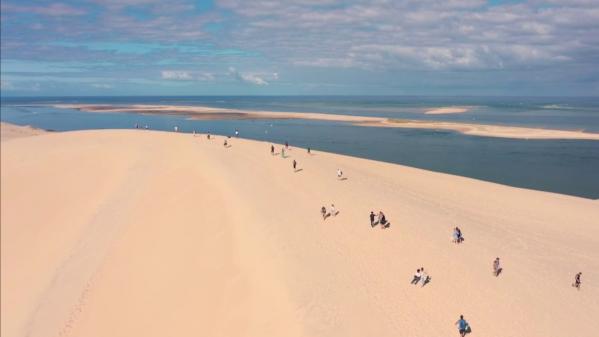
[
  {"x": 11, "y": 131},
  {"x": 448, "y": 110},
  {"x": 137, "y": 233},
  {"x": 485, "y": 130},
  {"x": 200, "y": 112}
]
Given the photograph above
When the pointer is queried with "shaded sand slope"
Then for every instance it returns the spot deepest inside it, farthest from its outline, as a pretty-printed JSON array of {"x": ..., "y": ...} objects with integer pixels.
[
  {"x": 135, "y": 233},
  {"x": 10, "y": 131}
]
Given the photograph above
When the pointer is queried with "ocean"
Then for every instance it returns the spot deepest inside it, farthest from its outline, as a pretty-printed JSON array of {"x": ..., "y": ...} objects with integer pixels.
[{"x": 560, "y": 166}]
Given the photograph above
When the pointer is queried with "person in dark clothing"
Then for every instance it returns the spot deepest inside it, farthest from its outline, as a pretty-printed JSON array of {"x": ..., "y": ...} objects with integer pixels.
[
  {"x": 294, "y": 164},
  {"x": 372, "y": 223},
  {"x": 577, "y": 281},
  {"x": 272, "y": 149}
]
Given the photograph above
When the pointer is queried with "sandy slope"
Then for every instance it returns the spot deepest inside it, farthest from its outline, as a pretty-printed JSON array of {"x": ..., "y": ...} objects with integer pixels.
[
  {"x": 136, "y": 233},
  {"x": 10, "y": 131}
]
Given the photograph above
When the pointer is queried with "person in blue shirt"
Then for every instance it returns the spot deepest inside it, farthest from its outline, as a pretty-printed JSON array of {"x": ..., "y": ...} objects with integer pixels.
[{"x": 463, "y": 326}]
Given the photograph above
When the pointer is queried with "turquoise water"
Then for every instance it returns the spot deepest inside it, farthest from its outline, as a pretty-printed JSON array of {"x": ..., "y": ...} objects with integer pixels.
[{"x": 562, "y": 166}]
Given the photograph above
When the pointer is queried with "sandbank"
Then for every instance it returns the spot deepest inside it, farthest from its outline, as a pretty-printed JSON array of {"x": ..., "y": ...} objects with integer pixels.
[
  {"x": 148, "y": 233},
  {"x": 483, "y": 130},
  {"x": 448, "y": 110}
]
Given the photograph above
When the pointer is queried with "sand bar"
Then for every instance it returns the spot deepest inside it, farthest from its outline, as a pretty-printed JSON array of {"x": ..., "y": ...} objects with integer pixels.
[
  {"x": 146, "y": 233},
  {"x": 448, "y": 110},
  {"x": 484, "y": 130}
]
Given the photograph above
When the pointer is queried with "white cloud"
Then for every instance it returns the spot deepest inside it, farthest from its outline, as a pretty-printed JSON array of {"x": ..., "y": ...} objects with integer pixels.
[
  {"x": 6, "y": 85},
  {"x": 252, "y": 78},
  {"x": 185, "y": 75},
  {"x": 178, "y": 75},
  {"x": 102, "y": 86}
]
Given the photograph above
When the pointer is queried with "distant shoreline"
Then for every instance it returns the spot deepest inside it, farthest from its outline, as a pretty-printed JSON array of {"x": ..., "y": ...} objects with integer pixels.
[{"x": 210, "y": 113}]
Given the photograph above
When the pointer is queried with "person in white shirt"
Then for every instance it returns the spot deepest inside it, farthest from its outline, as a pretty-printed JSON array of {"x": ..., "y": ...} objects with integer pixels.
[{"x": 417, "y": 277}]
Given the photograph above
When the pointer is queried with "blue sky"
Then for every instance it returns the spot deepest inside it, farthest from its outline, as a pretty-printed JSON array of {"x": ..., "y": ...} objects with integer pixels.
[{"x": 300, "y": 47}]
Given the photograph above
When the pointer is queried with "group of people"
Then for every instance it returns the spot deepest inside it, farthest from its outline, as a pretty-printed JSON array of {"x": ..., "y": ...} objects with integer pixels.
[
  {"x": 421, "y": 275},
  {"x": 378, "y": 219},
  {"x": 331, "y": 212}
]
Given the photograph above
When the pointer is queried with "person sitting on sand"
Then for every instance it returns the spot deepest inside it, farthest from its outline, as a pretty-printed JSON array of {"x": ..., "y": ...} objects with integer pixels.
[
  {"x": 425, "y": 278},
  {"x": 457, "y": 235},
  {"x": 372, "y": 224},
  {"x": 496, "y": 267},
  {"x": 417, "y": 277},
  {"x": 577, "y": 281},
  {"x": 463, "y": 326},
  {"x": 323, "y": 212},
  {"x": 382, "y": 219}
]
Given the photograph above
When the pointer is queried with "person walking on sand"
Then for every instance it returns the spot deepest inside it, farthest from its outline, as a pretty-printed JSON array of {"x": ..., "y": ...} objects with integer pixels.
[
  {"x": 339, "y": 173},
  {"x": 208, "y": 136},
  {"x": 333, "y": 210},
  {"x": 283, "y": 152},
  {"x": 496, "y": 267},
  {"x": 577, "y": 281},
  {"x": 294, "y": 164},
  {"x": 372, "y": 224},
  {"x": 272, "y": 150},
  {"x": 463, "y": 326},
  {"x": 417, "y": 277},
  {"x": 323, "y": 212},
  {"x": 309, "y": 151}
]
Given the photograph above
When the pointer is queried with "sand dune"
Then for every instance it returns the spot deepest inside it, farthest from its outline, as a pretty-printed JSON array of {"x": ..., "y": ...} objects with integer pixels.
[
  {"x": 10, "y": 131},
  {"x": 205, "y": 113},
  {"x": 137, "y": 233}
]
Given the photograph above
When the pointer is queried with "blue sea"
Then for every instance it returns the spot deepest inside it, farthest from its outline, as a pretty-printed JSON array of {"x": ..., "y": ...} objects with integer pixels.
[{"x": 561, "y": 166}]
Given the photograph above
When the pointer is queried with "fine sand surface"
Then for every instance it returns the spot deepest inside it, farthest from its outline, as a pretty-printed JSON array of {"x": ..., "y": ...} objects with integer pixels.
[
  {"x": 448, "y": 110},
  {"x": 206, "y": 113},
  {"x": 487, "y": 130},
  {"x": 143, "y": 233},
  {"x": 11, "y": 131}
]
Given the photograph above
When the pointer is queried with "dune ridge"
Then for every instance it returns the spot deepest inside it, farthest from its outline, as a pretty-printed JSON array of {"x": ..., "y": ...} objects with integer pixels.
[{"x": 154, "y": 233}]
